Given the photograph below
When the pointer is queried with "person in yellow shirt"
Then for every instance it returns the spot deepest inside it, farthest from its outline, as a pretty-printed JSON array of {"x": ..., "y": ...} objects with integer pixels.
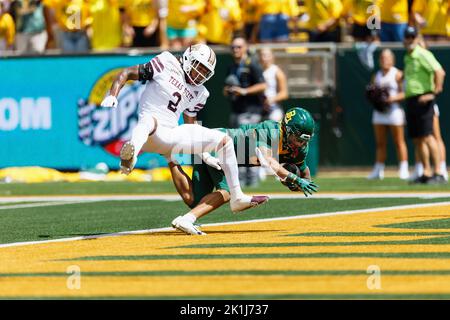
[
  {"x": 249, "y": 18},
  {"x": 220, "y": 20},
  {"x": 182, "y": 22},
  {"x": 7, "y": 29},
  {"x": 142, "y": 22},
  {"x": 359, "y": 14},
  {"x": 394, "y": 19},
  {"x": 433, "y": 18},
  {"x": 73, "y": 19},
  {"x": 324, "y": 18},
  {"x": 105, "y": 36},
  {"x": 274, "y": 17}
]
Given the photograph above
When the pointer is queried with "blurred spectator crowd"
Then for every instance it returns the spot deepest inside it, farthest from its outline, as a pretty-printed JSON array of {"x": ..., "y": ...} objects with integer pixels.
[{"x": 76, "y": 26}]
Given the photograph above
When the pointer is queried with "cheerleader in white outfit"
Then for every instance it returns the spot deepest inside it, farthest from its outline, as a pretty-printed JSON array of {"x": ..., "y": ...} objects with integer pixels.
[
  {"x": 277, "y": 89},
  {"x": 393, "y": 120}
]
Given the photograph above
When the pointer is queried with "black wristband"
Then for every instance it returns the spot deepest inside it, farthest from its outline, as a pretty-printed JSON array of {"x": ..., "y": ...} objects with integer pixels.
[{"x": 145, "y": 72}]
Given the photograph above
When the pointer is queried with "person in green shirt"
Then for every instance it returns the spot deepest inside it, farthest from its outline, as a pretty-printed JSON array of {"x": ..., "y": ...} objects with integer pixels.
[
  {"x": 424, "y": 78},
  {"x": 31, "y": 26},
  {"x": 267, "y": 143}
]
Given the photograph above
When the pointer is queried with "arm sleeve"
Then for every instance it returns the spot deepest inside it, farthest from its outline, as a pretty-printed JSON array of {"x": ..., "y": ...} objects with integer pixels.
[
  {"x": 429, "y": 62},
  {"x": 11, "y": 31},
  {"x": 418, "y": 6},
  {"x": 302, "y": 164},
  {"x": 145, "y": 72},
  {"x": 236, "y": 13},
  {"x": 336, "y": 9},
  {"x": 153, "y": 68},
  {"x": 294, "y": 9}
]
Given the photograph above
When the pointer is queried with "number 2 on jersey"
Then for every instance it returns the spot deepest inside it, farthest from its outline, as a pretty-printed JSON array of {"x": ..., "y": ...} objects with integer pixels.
[{"x": 173, "y": 105}]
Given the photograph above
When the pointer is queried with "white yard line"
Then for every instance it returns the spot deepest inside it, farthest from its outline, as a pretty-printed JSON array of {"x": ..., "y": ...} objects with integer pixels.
[
  {"x": 176, "y": 197},
  {"x": 42, "y": 204},
  {"x": 306, "y": 216}
]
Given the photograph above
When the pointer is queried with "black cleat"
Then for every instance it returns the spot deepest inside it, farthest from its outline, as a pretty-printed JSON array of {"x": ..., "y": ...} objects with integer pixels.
[
  {"x": 437, "y": 179},
  {"x": 421, "y": 180}
]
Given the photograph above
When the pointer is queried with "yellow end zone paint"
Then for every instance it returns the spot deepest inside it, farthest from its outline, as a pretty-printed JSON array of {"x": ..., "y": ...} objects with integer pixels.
[{"x": 20, "y": 266}]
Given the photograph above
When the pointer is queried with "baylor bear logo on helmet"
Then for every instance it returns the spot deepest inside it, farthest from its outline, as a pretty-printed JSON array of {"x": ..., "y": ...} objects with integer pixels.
[
  {"x": 300, "y": 123},
  {"x": 289, "y": 116}
]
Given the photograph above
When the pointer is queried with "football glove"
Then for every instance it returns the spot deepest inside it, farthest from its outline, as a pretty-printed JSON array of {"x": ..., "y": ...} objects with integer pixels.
[
  {"x": 295, "y": 182},
  {"x": 293, "y": 187},
  {"x": 211, "y": 161},
  {"x": 110, "y": 102}
]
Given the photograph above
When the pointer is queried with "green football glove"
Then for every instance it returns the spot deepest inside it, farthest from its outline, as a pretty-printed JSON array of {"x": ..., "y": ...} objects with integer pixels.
[{"x": 308, "y": 187}]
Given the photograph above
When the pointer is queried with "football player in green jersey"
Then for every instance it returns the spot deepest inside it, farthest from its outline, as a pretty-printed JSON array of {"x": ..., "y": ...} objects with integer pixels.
[{"x": 268, "y": 143}]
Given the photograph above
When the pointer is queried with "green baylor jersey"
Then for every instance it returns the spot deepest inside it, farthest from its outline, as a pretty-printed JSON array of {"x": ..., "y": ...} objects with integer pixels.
[
  {"x": 267, "y": 134},
  {"x": 246, "y": 138}
]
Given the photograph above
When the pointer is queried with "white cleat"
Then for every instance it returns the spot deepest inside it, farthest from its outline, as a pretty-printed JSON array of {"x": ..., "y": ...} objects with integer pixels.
[
  {"x": 127, "y": 158},
  {"x": 404, "y": 175},
  {"x": 247, "y": 202},
  {"x": 376, "y": 175},
  {"x": 186, "y": 226}
]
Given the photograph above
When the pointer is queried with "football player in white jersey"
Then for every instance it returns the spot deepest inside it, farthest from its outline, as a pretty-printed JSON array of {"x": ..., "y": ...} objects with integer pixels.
[{"x": 174, "y": 88}]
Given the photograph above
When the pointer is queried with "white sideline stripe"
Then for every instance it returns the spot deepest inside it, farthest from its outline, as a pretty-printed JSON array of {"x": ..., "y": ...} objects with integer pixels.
[
  {"x": 42, "y": 204},
  {"x": 167, "y": 197},
  {"x": 122, "y": 233},
  {"x": 306, "y": 216},
  {"x": 176, "y": 197}
]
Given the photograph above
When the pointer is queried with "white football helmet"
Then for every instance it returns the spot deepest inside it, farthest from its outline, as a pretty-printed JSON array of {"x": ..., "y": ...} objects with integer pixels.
[{"x": 199, "y": 62}]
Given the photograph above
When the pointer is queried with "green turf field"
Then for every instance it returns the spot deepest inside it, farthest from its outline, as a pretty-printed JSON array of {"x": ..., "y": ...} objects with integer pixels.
[
  {"x": 402, "y": 228},
  {"x": 62, "y": 220},
  {"x": 341, "y": 184}
]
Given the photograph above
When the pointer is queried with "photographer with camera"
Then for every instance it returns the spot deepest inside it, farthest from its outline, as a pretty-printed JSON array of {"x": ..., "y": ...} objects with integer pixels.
[
  {"x": 245, "y": 86},
  {"x": 385, "y": 93}
]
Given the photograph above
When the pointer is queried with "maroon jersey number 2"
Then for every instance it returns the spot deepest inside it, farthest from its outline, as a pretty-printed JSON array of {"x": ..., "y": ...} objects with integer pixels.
[{"x": 173, "y": 104}]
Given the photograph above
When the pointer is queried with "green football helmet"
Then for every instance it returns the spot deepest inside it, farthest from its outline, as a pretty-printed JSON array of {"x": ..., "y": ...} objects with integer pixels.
[{"x": 298, "y": 125}]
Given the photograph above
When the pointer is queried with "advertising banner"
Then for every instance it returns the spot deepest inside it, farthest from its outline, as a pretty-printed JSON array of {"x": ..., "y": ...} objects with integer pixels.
[{"x": 50, "y": 114}]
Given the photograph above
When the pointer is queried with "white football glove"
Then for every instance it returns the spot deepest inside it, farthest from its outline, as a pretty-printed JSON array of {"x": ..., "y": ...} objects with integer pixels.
[
  {"x": 211, "y": 161},
  {"x": 110, "y": 102}
]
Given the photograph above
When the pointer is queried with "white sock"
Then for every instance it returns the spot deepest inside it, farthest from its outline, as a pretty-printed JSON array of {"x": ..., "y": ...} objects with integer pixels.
[
  {"x": 190, "y": 217},
  {"x": 229, "y": 166},
  {"x": 379, "y": 166},
  {"x": 444, "y": 168},
  {"x": 140, "y": 133},
  {"x": 418, "y": 168},
  {"x": 403, "y": 165}
]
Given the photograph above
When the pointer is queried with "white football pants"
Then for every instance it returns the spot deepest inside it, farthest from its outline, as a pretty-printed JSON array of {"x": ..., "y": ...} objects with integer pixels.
[{"x": 188, "y": 139}]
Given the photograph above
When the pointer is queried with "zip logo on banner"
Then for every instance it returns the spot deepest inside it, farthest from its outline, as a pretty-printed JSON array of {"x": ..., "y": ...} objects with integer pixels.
[{"x": 107, "y": 127}]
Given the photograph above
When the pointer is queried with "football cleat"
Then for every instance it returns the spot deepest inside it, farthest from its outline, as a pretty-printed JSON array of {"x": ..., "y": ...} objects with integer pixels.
[
  {"x": 128, "y": 158},
  {"x": 423, "y": 179},
  {"x": 376, "y": 175},
  {"x": 186, "y": 226},
  {"x": 403, "y": 174},
  {"x": 437, "y": 179},
  {"x": 247, "y": 202}
]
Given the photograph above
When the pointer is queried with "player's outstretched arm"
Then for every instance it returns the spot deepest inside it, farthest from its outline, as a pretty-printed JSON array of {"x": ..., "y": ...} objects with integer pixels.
[
  {"x": 305, "y": 185},
  {"x": 265, "y": 158},
  {"x": 305, "y": 174},
  {"x": 131, "y": 73}
]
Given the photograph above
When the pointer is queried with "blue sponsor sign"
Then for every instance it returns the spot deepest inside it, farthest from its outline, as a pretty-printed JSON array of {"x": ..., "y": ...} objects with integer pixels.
[{"x": 49, "y": 114}]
